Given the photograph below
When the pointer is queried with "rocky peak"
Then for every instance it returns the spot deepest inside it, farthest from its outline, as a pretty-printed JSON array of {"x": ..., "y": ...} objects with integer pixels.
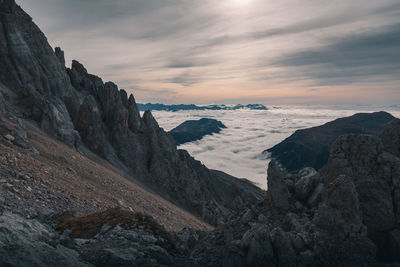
[{"x": 60, "y": 55}]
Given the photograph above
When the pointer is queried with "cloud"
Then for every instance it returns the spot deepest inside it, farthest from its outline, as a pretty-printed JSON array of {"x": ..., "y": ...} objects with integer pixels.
[
  {"x": 190, "y": 43},
  {"x": 351, "y": 58},
  {"x": 237, "y": 150}
]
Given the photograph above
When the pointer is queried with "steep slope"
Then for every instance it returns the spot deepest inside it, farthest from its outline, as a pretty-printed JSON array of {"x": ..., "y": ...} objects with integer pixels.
[
  {"x": 54, "y": 178},
  {"x": 75, "y": 106},
  {"x": 310, "y": 147},
  {"x": 194, "y": 130}
]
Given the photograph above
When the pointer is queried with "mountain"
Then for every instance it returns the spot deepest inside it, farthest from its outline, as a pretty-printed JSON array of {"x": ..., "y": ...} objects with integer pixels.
[
  {"x": 82, "y": 111},
  {"x": 310, "y": 147},
  {"x": 84, "y": 181},
  {"x": 159, "y": 107},
  {"x": 194, "y": 130}
]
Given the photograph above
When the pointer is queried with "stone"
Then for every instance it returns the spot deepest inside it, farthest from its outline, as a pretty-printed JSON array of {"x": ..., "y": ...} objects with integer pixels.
[
  {"x": 9, "y": 137},
  {"x": 305, "y": 185},
  {"x": 340, "y": 212},
  {"x": 277, "y": 190},
  {"x": 72, "y": 171},
  {"x": 283, "y": 247},
  {"x": 390, "y": 136},
  {"x": 37, "y": 244},
  {"x": 260, "y": 250},
  {"x": 316, "y": 195}
]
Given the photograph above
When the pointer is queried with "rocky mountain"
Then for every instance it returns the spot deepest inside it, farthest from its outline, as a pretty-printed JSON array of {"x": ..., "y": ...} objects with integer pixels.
[
  {"x": 149, "y": 106},
  {"x": 194, "y": 130},
  {"x": 310, "y": 147},
  {"x": 81, "y": 175},
  {"x": 345, "y": 215},
  {"x": 82, "y": 111}
]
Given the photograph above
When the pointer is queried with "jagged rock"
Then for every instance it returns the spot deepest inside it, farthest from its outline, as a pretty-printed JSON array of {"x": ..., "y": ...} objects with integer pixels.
[
  {"x": 30, "y": 243},
  {"x": 277, "y": 190},
  {"x": 283, "y": 248},
  {"x": 340, "y": 212},
  {"x": 134, "y": 120},
  {"x": 260, "y": 251},
  {"x": 390, "y": 136},
  {"x": 73, "y": 105},
  {"x": 316, "y": 195},
  {"x": 305, "y": 184},
  {"x": 30, "y": 68},
  {"x": 357, "y": 156},
  {"x": 60, "y": 55}
]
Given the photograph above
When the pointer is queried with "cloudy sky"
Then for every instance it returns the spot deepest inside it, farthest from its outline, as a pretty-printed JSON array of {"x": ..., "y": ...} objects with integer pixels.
[{"x": 233, "y": 51}]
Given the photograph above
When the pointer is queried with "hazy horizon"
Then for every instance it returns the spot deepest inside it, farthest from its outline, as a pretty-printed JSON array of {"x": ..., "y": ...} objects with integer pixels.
[{"x": 233, "y": 51}]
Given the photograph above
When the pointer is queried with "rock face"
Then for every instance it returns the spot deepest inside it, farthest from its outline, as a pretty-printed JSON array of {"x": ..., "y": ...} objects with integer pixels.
[
  {"x": 31, "y": 69},
  {"x": 32, "y": 243},
  {"x": 79, "y": 108},
  {"x": 194, "y": 130},
  {"x": 376, "y": 175},
  {"x": 344, "y": 215},
  {"x": 310, "y": 147}
]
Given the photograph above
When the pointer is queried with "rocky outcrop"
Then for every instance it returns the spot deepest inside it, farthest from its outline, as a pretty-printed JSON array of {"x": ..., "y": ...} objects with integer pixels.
[
  {"x": 29, "y": 242},
  {"x": 110, "y": 125},
  {"x": 375, "y": 173},
  {"x": 78, "y": 109},
  {"x": 37, "y": 77},
  {"x": 310, "y": 147},
  {"x": 194, "y": 130},
  {"x": 391, "y": 137}
]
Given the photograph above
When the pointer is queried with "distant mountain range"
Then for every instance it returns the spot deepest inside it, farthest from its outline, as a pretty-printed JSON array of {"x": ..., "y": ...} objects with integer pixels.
[{"x": 149, "y": 106}]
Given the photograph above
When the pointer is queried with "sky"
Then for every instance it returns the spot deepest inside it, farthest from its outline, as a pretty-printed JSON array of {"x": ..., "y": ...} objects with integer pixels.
[{"x": 233, "y": 51}]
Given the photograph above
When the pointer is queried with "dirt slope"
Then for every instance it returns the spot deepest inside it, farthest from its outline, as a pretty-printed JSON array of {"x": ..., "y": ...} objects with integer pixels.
[{"x": 60, "y": 179}]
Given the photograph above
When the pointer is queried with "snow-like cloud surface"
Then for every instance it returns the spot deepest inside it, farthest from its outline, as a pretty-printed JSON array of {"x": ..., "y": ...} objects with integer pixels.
[{"x": 237, "y": 149}]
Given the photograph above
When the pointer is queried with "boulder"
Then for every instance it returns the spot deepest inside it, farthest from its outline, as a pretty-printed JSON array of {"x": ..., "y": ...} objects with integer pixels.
[
  {"x": 340, "y": 214},
  {"x": 27, "y": 242},
  {"x": 305, "y": 185},
  {"x": 286, "y": 255},
  {"x": 278, "y": 193}
]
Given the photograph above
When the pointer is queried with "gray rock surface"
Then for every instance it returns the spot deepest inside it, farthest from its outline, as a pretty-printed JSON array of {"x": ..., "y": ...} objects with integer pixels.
[
  {"x": 30, "y": 68},
  {"x": 27, "y": 242},
  {"x": 391, "y": 138}
]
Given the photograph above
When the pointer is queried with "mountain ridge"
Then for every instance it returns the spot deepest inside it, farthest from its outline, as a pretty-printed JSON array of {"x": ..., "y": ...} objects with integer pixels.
[
  {"x": 82, "y": 111},
  {"x": 163, "y": 107}
]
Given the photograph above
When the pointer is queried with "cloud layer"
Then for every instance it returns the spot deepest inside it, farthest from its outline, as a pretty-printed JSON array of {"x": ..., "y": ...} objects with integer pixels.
[
  {"x": 237, "y": 149},
  {"x": 189, "y": 51}
]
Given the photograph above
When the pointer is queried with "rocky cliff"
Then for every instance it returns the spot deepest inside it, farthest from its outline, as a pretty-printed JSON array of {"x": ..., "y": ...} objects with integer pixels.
[
  {"x": 345, "y": 215},
  {"x": 310, "y": 147},
  {"x": 81, "y": 110}
]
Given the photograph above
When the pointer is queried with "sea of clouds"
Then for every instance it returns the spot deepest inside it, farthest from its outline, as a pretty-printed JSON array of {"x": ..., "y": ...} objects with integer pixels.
[{"x": 237, "y": 150}]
